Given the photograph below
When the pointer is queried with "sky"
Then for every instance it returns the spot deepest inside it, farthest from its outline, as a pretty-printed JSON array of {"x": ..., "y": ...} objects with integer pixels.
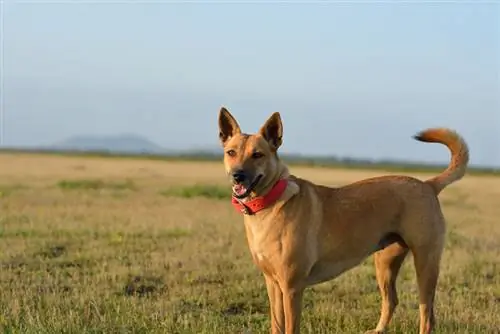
[{"x": 349, "y": 79}]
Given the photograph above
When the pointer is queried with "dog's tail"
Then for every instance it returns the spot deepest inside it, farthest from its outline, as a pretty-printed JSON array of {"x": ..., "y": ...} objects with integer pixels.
[{"x": 459, "y": 155}]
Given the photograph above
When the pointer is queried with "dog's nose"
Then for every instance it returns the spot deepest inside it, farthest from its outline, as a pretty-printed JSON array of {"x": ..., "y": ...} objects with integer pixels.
[{"x": 239, "y": 176}]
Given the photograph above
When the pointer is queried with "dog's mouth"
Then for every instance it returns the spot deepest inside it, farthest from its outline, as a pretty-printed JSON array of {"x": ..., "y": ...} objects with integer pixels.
[{"x": 240, "y": 191}]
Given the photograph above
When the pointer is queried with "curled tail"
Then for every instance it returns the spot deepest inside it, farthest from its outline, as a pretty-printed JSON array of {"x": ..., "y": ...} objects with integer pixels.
[{"x": 459, "y": 155}]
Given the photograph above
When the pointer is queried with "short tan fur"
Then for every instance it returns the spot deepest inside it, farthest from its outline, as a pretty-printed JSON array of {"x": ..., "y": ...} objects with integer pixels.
[{"x": 314, "y": 233}]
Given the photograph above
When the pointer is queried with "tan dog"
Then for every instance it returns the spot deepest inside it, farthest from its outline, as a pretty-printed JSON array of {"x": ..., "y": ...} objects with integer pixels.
[{"x": 301, "y": 234}]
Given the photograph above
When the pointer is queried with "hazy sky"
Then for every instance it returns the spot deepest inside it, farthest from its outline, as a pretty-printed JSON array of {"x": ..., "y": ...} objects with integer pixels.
[{"x": 349, "y": 79}]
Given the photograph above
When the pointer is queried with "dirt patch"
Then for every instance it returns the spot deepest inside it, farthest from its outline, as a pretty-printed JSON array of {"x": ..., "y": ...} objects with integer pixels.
[
  {"x": 240, "y": 308},
  {"x": 142, "y": 286}
]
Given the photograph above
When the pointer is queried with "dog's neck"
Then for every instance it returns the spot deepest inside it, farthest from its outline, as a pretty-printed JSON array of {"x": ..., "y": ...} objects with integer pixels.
[{"x": 282, "y": 173}]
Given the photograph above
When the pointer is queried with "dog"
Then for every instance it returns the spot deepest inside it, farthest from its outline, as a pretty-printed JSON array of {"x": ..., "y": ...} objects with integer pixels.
[{"x": 301, "y": 234}]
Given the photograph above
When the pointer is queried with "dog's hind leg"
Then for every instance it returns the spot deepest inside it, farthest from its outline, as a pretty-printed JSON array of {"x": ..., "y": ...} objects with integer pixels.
[
  {"x": 388, "y": 261},
  {"x": 427, "y": 259}
]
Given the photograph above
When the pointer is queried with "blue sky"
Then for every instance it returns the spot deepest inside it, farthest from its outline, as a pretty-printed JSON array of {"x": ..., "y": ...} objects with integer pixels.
[{"x": 349, "y": 79}]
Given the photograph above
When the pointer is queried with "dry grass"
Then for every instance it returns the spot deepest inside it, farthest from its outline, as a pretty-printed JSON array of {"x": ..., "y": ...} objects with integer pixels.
[{"x": 93, "y": 245}]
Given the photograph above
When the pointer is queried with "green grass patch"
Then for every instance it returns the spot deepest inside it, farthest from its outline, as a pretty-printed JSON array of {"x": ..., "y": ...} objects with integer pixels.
[
  {"x": 95, "y": 184},
  {"x": 6, "y": 190},
  {"x": 121, "y": 237},
  {"x": 198, "y": 190}
]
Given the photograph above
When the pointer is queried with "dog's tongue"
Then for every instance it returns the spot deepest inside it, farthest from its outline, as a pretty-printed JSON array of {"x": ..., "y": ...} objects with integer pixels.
[{"x": 239, "y": 189}]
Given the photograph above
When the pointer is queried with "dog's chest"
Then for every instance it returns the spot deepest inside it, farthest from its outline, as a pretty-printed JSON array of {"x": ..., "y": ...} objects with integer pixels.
[
  {"x": 259, "y": 235},
  {"x": 264, "y": 242}
]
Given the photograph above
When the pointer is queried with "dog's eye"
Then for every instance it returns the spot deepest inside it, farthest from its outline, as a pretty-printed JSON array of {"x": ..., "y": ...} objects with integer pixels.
[
  {"x": 231, "y": 153},
  {"x": 257, "y": 155}
]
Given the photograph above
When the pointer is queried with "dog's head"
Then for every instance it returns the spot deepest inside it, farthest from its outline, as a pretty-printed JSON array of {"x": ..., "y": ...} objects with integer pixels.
[{"x": 251, "y": 160}]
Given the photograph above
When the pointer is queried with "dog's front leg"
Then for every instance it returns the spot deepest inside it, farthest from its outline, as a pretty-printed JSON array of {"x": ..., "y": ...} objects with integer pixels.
[
  {"x": 292, "y": 303},
  {"x": 276, "y": 306}
]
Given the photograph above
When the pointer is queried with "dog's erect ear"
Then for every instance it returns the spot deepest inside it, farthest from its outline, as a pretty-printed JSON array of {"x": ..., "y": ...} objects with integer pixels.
[
  {"x": 228, "y": 127},
  {"x": 272, "y": 130}
]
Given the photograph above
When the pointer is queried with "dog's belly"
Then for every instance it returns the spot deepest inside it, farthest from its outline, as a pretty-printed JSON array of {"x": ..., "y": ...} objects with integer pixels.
[
  {"x": 324, "y": 271},
  {"x": 327, "y": 269}
]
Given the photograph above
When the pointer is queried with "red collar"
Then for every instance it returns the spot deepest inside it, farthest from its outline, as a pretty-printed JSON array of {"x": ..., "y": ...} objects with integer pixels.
[{"x": 261, "y": 202}]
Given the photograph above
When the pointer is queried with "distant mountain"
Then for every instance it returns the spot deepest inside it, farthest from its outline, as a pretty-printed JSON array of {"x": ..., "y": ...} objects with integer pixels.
[{"x": 124, "y": 143}]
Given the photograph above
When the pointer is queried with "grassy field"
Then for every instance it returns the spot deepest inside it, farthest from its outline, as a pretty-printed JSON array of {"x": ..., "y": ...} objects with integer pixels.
[{"x": 102, "y": 245}]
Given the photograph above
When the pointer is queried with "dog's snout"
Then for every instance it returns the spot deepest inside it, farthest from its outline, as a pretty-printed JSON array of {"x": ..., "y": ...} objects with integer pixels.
[{"x": 239, "y": 176}]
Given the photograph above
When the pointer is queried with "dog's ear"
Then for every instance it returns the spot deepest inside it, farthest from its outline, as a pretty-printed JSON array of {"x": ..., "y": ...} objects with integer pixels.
[
  {"x": 228, "y": 127},
  {"x": 272, "y": 131}
]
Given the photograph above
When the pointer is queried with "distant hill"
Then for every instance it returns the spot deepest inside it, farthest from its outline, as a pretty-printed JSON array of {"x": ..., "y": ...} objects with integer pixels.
[{"x": 124, "y": 143}]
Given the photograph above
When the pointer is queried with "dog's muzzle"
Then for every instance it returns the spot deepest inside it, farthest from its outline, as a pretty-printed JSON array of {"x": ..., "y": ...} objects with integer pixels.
[{"x": 240, "y": 191}]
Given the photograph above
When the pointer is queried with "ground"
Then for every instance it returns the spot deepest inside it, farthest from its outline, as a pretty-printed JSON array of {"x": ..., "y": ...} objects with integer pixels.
[{"x": 103, "y": 245}]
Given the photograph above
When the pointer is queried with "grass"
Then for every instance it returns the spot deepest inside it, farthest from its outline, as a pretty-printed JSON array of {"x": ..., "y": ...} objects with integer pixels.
[
  {"x": 171, "y": 255},
  {"x": 198, "y": 190},
  {"x": 95, "y": 184},
  {"x": 9, "y": 189}
]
